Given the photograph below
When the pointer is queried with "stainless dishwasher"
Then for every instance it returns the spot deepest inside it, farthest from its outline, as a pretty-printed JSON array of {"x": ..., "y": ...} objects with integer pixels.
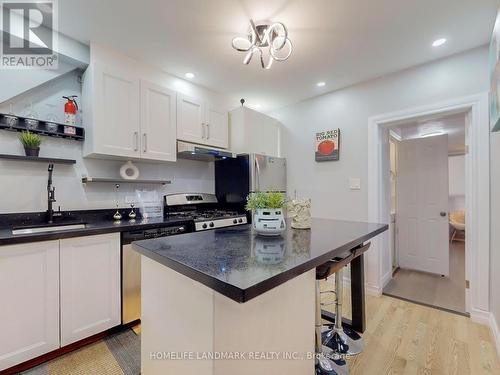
[{"x": 131, "y": 268}]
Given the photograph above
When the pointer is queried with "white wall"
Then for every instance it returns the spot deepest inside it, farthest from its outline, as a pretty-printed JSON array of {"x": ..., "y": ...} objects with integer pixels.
[
  {"x": 456, "y": 172},
  {"x": 495, "y": 225},
  {"x": 327, "y": 183},
  {"x": 23, "y": 185}
]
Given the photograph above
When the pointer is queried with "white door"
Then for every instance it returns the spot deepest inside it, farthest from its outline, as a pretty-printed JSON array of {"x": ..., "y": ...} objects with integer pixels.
[
  {"x": 116, "y": 112},
  {"x": 422, "y": 204},
  {"x": 158, "y": 122},
  {"x": 29, "y": 301},
  {"x": 90, "y": 286},
  {"x": 190, "y": 119},
  {"x": 216, "y": 127}
]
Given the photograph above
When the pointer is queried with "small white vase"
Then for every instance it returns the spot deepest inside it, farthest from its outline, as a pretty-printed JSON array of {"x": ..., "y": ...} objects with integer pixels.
[
  {"x": 269, "y": 221},
  {"x": 129, "y": 171}
]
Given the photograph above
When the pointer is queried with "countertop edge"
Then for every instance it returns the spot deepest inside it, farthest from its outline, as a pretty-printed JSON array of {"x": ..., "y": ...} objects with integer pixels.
[
  {"x": 244, "y": 295},
  {"x": 49, "y": 236},
  {"x": 217, "y": 285}
]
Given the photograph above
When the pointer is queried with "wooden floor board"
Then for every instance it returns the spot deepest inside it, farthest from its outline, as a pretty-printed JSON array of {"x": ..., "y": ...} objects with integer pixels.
[{"x": 411, "y": 339}]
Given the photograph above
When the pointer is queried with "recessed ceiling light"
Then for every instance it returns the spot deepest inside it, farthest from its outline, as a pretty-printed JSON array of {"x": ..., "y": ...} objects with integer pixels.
[
  {"x": 189, "y": 75},
  {"x": 320, "y": 84},
  {"x": 439, "y": 42}
]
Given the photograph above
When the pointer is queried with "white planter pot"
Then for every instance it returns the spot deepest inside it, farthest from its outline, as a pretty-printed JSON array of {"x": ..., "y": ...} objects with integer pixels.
[{"x": 269, "y": 221}]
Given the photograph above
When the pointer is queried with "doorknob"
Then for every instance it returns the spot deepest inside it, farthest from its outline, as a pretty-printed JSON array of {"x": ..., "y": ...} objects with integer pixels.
[{"x": 442, "y": 213}]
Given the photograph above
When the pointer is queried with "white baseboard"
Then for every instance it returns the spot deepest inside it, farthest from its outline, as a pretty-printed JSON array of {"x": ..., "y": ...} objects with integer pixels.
[
  {"x": 495, "y": 331},
  {"x": 386, "y": 278},
  {"x": 480, "y": 316},
  {"x": 373, "y": 290}
]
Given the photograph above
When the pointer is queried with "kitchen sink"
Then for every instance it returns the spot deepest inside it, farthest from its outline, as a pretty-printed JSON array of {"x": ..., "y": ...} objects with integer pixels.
[{"x": 48, "y": 228}]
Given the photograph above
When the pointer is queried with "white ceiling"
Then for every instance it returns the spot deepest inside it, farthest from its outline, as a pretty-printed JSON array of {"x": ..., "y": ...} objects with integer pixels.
[
  {"x": 341, "y": 42},
  {"x": 453, "y": 125}
]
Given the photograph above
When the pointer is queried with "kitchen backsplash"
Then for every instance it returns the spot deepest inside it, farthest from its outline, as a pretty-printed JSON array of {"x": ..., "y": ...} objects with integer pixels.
[{"x": 23, "y": 185}]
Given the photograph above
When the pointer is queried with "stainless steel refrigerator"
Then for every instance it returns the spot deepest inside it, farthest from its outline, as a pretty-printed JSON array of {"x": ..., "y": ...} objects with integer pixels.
[{"x": 236, "y": 177}]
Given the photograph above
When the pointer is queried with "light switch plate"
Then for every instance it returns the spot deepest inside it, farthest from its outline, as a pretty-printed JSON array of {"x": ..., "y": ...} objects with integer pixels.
[{"x": 354, "y": 183}]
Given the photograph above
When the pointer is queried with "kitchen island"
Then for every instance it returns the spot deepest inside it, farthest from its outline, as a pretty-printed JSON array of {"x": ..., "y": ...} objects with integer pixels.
[{"x": 228, "y": 301}]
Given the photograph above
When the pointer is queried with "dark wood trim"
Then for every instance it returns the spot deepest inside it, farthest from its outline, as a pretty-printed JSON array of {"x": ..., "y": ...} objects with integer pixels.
[{"x": 66, "y": 349}]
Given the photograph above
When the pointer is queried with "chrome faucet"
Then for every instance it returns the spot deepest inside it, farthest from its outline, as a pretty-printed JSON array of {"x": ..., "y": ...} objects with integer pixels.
[{"x": 51, "y": 196}]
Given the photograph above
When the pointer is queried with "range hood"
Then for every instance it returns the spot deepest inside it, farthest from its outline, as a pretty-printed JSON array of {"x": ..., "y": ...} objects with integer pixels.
[{"x": 186, "y": 150}]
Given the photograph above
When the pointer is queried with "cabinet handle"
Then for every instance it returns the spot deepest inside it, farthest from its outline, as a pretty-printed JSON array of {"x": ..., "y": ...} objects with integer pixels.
[
  {"x": 136, "y": 141},
  {"x": 208, "y": 130},
  {"x": 145, "y": 139},
  {"x": 203, "y": 136}
]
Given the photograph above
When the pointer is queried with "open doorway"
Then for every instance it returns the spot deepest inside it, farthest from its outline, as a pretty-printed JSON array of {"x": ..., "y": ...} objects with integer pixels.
[{"x": 427, "y": 189}]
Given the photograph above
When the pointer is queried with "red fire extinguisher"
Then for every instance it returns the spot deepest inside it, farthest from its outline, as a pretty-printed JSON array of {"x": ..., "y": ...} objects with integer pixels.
[{"x": 70, "y": 109}]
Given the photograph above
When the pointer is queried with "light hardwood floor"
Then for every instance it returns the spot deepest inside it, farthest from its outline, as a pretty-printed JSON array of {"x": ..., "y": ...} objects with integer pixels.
[
  {"x": 401, "y": 338},
  {"x": 406, "y": 338}
]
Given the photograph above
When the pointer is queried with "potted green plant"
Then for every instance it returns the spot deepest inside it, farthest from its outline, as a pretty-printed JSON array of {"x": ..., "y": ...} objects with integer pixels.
[
  {"x": 267, "y": 208},
  {"x": 31, "y": 143}
]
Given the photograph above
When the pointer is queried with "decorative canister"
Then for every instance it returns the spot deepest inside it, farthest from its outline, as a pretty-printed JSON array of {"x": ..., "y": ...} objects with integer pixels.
[
  {"x": 300, "y": 212},
  {"x": 269, "y": 221}
]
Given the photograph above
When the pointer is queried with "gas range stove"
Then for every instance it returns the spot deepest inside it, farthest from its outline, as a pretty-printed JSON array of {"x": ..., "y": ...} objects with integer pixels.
[{"x": 203, "y": 210}]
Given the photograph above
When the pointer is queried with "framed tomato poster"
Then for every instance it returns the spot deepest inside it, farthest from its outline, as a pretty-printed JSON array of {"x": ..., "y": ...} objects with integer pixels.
[{"x": 327, "y": 145}]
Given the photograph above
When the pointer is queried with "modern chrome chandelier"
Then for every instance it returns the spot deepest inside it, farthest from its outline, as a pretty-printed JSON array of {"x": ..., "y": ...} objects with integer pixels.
[{"x": 269, "y": 40}]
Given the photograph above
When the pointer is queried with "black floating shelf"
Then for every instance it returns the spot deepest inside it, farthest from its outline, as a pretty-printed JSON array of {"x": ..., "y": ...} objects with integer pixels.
[
  {"x": 38, "y": 159},
  {"x": 42, "y": 128},
  {"x": 86, "y": 180}
]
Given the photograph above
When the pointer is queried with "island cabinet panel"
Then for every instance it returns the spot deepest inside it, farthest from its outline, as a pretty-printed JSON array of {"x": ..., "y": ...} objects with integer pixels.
[
  {"x": 90, "y": 286},
  {"x": 176, "y": 316},
  {"x": 180, "y": 315},
  {"x": 29, "y": 307}
]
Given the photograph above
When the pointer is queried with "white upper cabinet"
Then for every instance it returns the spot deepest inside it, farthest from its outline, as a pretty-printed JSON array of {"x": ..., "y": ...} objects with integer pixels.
[
  {"x": 111, "y": 111},
  {"x": 29, "y": 290},
  {"x": 126, "y": 116},
  {"x": 217, "y": 127},
  {"x": 90, "y": 286},
  {"x": 200, "y": 122},
  {"x": 190, "y": 119},
  {"x": 254, "y": 132},
  {"x": 158, "y": 122}
]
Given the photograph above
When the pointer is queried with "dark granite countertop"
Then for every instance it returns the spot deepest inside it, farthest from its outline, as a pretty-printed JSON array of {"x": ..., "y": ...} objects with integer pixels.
[
  {"x": 241, "y": 265},
  {"x": 93, "y": 227}
]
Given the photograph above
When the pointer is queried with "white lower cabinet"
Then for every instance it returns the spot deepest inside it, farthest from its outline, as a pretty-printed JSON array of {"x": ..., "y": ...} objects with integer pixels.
[
  {"x": 53, "y": 293},
  {"x": 90, "y": 286},
  {"x": 29, "y": 301}
]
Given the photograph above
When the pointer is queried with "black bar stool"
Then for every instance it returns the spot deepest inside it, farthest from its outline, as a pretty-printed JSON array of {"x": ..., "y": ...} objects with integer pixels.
[
  {"x": 333, "y": 344},
  {"x": 328, "y": 361}
]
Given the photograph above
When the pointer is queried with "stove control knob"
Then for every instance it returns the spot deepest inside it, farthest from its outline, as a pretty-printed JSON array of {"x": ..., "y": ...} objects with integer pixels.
[
  {"x": 181, "y": 229},
  {"x": 240, "y": 220},
  {"x": 235, "y": 221},
  {"x": 211, "y": 225},
  {"x": 204, "y": 226}
]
